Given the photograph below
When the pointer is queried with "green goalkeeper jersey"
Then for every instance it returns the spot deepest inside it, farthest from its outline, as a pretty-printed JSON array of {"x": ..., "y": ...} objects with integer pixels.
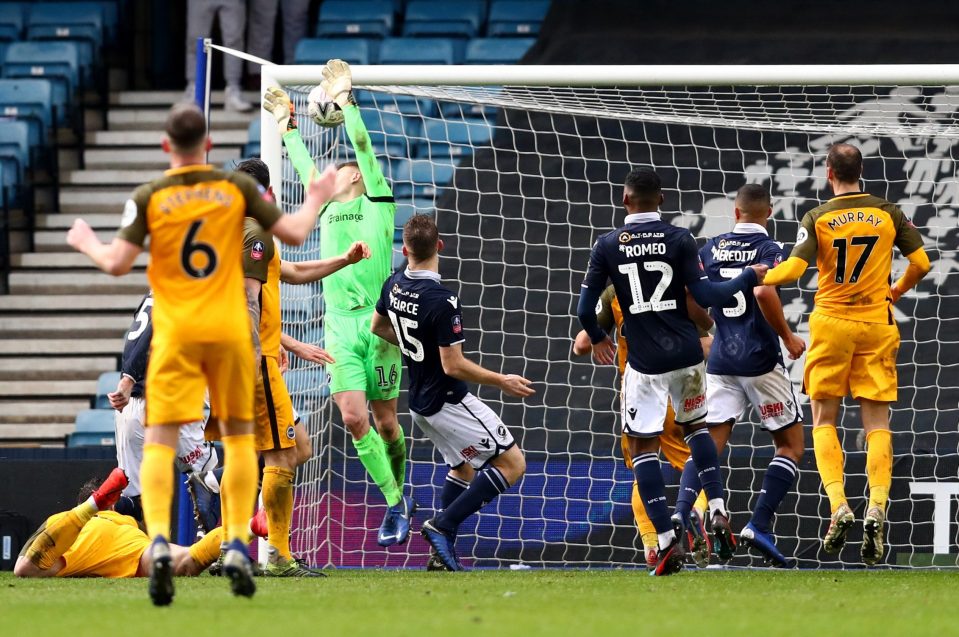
[{"x": 368, "y": 218}]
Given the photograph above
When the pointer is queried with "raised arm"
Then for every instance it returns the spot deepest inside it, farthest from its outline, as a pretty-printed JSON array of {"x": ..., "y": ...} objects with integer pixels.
[
  {"x": 708, "y": 293},
  {"x": 300, "y": 272},
  {"x": 803, "y": 253},
  {"x": 290, "y": 229},
  {"x": 277, "y": 102},
  {"x": 116, "y": 257}
]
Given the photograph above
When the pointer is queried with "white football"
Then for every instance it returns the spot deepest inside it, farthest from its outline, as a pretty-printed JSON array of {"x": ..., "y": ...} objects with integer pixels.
[{"x": 322, "y": 109}]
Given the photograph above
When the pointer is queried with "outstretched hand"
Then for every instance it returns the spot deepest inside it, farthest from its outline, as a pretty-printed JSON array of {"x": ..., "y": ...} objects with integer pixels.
[
  {"x": 80, "y": 234},
  {"x": 337, "y": 81},
  {"x": 277, "y": 102},
  {"x": 357, "y": 252}
]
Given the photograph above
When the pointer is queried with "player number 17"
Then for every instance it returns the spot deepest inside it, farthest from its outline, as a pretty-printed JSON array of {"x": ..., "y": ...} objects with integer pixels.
[{"x": 655, "y": 302}]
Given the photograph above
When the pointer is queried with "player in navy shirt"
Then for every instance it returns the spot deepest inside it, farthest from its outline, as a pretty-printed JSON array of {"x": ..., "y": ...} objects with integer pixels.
[
  {"x": 651, "y": 264},
  {"x": 423, "y": 317},
  {"x": 746, "y": 366}
]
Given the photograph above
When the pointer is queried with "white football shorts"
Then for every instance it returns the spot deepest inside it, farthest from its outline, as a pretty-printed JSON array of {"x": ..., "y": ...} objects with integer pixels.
[
  {"x": 645, "y": 397},
  {"x": 770, "y": 394},
  {"x": 467, "y": 431}
]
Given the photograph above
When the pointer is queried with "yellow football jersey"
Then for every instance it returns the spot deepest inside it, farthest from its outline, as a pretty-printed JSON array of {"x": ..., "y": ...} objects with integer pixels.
[
  {"x": 109, "y": 545},
  {"x": 194, "y": 216},
  {"x": 851, "y": 239},
  {"x": 261, "y": 261}
]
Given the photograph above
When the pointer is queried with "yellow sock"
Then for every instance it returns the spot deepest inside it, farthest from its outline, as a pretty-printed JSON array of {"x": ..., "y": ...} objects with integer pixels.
[
  {"x": 57, "y": 537},
  {"x": 701, "y": 505},
  {"x": 239, "y": 480},
  {"x": 829, "y": 461},
  {"x": 207, "y": 549},
  {"x": 156, "y": 485},
  {"x": 646, "y": 529},
  {"x": 879, "y": 467},
  {"x": 278, "y": 502}
]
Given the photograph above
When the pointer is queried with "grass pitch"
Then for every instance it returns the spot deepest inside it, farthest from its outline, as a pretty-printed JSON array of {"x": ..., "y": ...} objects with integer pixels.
[{"x": 498, "y": 603}]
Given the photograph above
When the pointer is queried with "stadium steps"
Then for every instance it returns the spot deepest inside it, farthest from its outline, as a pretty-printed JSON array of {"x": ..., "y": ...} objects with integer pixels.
[{"x": 63, "y": 322}]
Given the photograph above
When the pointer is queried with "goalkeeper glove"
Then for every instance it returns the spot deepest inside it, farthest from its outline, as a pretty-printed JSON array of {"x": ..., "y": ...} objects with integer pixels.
[
  {"x": 280, "y": 106},
  {"x": 337, "y": 82}
]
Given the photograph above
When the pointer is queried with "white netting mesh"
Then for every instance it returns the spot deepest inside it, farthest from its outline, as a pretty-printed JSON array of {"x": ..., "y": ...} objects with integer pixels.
[{"x": 521, "y": 180}]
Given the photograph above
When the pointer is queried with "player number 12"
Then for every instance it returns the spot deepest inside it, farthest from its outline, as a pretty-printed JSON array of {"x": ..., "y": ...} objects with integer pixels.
[{"x": 655, "y": 302}]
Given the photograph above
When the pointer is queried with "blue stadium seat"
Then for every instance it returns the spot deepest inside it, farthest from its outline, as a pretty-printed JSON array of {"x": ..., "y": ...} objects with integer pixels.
[
  {"x": 392, "y": 133},
  {"x": 421, "y": 51},
  {"x": 94, "y": 427},
  {"x": 81, "y": 22},
  {"x": 321, "y": 50},
  {"x": 396, "y": 103},
  {"x": 453, "y": 138},
  {"x": 497, "y": 50},
  {"x": 11, "y": 21},
  {"x": 15, "y": 145},
  {"x": 252, "y": 146},
  {"x": 30, "y": 100},
  {"x": 56, "y": 61},
  {"x": 516, "y": 17},
  {"x": 406, "y": 208},
  {"x": 452, "y": 19},
  {"x": 106, "y": 383},
  {"x": 369, "y": 18},
  {"x": 421, "y": 178}
]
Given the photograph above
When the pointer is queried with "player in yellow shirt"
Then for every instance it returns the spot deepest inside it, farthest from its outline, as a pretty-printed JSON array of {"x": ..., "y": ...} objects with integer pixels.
[
  {"x": 277, "y": 430},
  {"x": 671, "y": 441},
  {"x": 194, "y": 215},
  {"x": 92, "y": 540},
  {"x": 853, "y": 337}
]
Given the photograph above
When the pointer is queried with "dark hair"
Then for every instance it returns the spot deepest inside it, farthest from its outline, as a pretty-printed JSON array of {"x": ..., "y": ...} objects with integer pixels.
[
  {"x": 344, "y": 164},
  {"x": 185, "y": 126},
  {"x": 88, "y": 488},
  {"x": 846, "y": 162},
  {"x": 257, "y": 169},
  {"x": 644, "y": 187},
  {"x": 420, "y": 236},
  {"x": 753, "y": 198}
]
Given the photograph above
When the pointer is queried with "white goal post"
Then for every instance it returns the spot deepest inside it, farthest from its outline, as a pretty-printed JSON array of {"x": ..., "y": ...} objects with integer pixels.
[{"x": 523, "y": 168}]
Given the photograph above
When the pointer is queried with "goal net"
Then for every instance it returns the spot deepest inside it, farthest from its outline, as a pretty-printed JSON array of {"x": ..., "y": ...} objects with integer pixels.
[{"x": 521, "y": 180}]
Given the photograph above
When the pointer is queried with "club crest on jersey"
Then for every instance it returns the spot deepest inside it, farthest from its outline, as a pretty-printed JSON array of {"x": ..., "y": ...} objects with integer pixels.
[
  {"x": 290, "y": 432},
  {"x": 801, "y": 236},
  {"x": 457, "y": 324},
  {"x": 501, "y": 432},
  {"x": 256, "y": 253}
]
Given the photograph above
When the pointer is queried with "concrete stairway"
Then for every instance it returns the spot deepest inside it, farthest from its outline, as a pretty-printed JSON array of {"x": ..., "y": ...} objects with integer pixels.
[{"x": 63, "y": 322}]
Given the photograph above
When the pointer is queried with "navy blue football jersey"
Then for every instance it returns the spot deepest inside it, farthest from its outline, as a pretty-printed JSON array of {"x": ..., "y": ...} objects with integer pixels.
[
  {"x": 745, "y": 344},
  {"x": 650, "y": 262},
  {"x": 136, "y": 347},
  {"x": 425, "y": 316}
]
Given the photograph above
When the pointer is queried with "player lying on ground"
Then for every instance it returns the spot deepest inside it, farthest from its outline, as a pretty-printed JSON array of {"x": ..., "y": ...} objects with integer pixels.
[
  {"x": 746, "y": 367},
  {"x": 610, "y": 316},
  {"x": 366, "y": 368},
  {"x": 194, "y": 215},
  {"x": 194, "y": 456},
  {"x": 275, "y": 426},
  {"x": 853, "y": 337},
  {"x": 92, "y": 540},
  {"x": 424, "y": 318},
  {"x": 651, "y": 264}
]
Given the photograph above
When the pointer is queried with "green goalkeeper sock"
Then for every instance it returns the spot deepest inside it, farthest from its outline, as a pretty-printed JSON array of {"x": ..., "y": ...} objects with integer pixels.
[
  {"x": 396, "y": 450},
  {"x": 372, "y": 453}
]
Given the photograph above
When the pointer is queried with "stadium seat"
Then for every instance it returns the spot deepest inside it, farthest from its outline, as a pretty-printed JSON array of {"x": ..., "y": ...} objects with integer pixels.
[
  {"x": 94, "y": 427},
  {"x": 452, "y": 19},
  {"x": 252, "y": 146},
  {"x": 421, "y": 51},
  {"x": 81, "y": 22},
  {"x": 106, "y": 384},
  {"x": 397, "y": 103},
  {"x": 342, "y": 18},
  {"x": 497, "y": 50},
  {"x": 392, "y": 133},
  {"x": 11, "y": 21},
  {"x": 56, "y": 61},
  {"x": 15, "y": 147},
  {"x": 453, "y": 138},
  {"x": 406, "y": 208},
  {"x": 516, "y": 17},
  {"x": 30, "y": 100},
  {"x": 321, "y": 50},
  {"x": 420, "y": 178}
]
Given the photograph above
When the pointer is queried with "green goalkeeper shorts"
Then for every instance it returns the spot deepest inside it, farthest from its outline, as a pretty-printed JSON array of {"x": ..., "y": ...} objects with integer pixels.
[{"x": 364, "y": 361}]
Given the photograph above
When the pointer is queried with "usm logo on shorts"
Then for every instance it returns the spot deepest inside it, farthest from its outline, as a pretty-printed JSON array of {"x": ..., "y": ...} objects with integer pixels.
[
  {"x": 692, "y": 404},
  {"x": 772, "y": 410}
]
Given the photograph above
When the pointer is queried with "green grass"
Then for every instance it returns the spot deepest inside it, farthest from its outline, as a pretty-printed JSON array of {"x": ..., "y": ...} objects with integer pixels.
[{"x": 500, "y": 603}]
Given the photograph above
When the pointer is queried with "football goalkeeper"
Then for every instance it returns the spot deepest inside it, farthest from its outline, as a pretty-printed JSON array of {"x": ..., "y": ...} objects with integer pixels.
[{"x": 367, "y": 368}]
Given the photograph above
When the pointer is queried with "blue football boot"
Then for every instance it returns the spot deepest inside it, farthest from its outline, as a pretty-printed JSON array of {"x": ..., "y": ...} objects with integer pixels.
[
  {"x": 442, "y": 544},
  {"x": 765, "y": 543}
]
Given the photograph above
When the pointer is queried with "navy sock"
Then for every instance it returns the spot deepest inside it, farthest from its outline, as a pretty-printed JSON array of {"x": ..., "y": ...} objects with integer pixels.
[
  {"x": 702, "y": 450},
  {"x": 689, "y": 487},
  {"x": 652, "y": 489},
  {"x": 487, "y": 484},
  {"x": 453, "y": 488},
  {"x": 779, "y": 479}
]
